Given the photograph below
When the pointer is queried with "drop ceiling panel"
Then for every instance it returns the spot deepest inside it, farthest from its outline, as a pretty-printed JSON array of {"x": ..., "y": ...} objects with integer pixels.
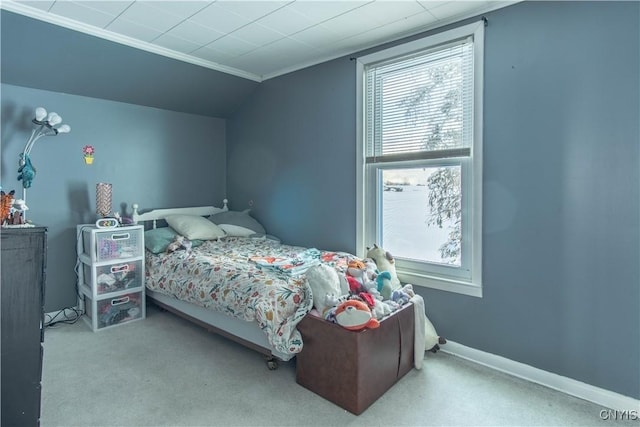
[
  {"x": 144, "y": 13},
  {"x": 176, "y": 43},
  {"x": 257, "y": 34},
  {"x": 252, "y": 10},
  {"x": 182, "y": 9},
  {"x": 219, "y": 19},
  {"x": 114, "y": 8},
  {"x": 195, "y": 33},
  {"x": 287, "y": 21},
  {"x": 232, "y": 46},
  {"x": 321, "y": 11},
  {"x": 79, "y": 12},
  {"x": 133, "y": 30}
]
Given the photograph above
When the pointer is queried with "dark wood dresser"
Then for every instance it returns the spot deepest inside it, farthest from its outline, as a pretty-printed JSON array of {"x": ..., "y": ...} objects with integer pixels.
[{"x": 22, "y": 292}]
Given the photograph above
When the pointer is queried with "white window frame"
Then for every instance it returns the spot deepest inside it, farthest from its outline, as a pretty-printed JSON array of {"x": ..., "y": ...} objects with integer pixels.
[{"x": 425, "y": 274}]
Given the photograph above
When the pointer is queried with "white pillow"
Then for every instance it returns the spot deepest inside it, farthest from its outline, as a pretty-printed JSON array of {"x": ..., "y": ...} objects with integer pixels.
[
  {"x": 194, "y": 227},
  {"x": 236, "y": 230}
]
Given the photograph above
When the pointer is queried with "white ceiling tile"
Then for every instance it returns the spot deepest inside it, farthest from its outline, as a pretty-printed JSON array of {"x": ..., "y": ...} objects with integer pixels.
[
  {"x": 403, "y": 27},
  {"x": 350, "y": 23},
  {"x": 80, "y": 13},
  {"x": 258, "y": 63},
  {"x": 219, "y": 19},
  {"x": 182, "y": 9},
  {"x": 150, "y": 16},
  {"x": 317, "y": 36},
  {"x": 232, "y": 46},
  {"x": 131, "y": 29},
  {"x": 176, "y": 43},
  {"x": 428, "y": 4},
  {"x": 287, "y": 21},
  {"x": 195, "y": 33},
  {"x": 251, "y": 10},
  {"x": 213, "y": 55},
  {"x": 115, "y": 7},
  {"x": 288, "y": 46},
  {"x": 384, "y": 12},
  {"x": 257, "y": 34},
  {"x": 323, "y": 10},
  {"x": 453, "y": 9},
  {"x": 42, "y": 5}
]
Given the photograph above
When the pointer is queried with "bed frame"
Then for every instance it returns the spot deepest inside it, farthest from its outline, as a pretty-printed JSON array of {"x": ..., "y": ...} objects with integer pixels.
[{"x": 246, "y": 333}]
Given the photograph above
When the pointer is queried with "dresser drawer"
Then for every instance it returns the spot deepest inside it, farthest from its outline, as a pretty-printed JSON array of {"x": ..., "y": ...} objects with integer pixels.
[
  {"x": 114, "y": 277},
  {"x": 112, "y": 244},
  {"x": 113, "y": 311}
]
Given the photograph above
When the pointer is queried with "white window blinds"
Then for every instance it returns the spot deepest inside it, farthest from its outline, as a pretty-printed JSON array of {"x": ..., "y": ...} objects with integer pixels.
[{"x": 421, "y": 105}]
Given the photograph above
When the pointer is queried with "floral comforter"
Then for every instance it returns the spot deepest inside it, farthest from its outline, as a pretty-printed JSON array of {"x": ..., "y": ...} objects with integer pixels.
[{"x": 224, "y": 275}]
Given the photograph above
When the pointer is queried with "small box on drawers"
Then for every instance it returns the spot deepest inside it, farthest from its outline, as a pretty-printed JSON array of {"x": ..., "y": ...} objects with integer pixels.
[
  {"x": 114, "y": 277},
  {"x": 354, "y": 368},
  {"x": 100, "y": 244},
  {"x": 114, "y": 310}
]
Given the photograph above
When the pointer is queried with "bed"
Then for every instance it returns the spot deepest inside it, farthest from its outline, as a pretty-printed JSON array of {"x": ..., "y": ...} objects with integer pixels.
[{"x": 224, "y": 285}]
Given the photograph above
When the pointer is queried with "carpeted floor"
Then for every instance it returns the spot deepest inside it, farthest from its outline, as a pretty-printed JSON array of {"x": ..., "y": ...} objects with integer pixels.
[{"x": 164, "y": 371}]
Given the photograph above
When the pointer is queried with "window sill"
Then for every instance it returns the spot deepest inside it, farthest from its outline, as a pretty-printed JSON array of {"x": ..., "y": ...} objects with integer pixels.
[{"x": 449, "y": 285}]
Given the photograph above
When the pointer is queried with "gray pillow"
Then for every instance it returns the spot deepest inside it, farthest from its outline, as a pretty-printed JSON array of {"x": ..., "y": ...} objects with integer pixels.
[
  {"x": 240, "y": 219},
  {"x": 194, "y": 227}
]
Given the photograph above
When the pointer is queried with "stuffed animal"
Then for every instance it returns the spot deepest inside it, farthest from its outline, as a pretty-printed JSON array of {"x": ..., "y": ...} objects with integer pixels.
[
  {"x": 356, "y": 269},
  {"x": 355, "y": 286},
  {"x": 370, "y": 269},
  {"x": 400, "y": 296},
  {"x": 180, "y": 242},
  {"x": 26, "y": 171},
  {"x": 6, "y": 203},
  {"x": 383, "y": 283},
  {"x": 325, "y": 282},
  {"x": 385, "y": 262},
  {"x": 355, "y": 315}
]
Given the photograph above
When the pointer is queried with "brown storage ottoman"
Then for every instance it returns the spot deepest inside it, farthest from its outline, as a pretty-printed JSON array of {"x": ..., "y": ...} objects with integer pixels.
[{"x": 354, "y": 368}]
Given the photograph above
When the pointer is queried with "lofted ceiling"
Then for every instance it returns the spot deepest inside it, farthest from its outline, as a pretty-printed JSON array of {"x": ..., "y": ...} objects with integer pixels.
[{"x": 255, "y": 40}]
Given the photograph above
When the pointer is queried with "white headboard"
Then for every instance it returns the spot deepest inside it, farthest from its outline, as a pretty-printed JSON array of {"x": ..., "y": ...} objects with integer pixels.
[{"x": 157, "y": 214}]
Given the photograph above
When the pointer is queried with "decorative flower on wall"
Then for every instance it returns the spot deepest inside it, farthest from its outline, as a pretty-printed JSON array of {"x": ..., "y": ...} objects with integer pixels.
[{"x": 88, "y": 152}]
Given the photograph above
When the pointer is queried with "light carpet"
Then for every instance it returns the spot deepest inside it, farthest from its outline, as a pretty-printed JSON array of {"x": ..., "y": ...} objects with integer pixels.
[{"x": 164, "y": 371}]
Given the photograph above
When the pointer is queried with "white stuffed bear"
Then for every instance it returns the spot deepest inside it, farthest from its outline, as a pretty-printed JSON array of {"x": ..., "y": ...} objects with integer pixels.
[
  {"x": 324, "y": 281},
  {"x": 385, "y": 262}
]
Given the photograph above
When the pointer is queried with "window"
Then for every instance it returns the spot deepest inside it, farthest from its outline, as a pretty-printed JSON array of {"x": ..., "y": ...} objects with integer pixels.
[{"x": 420, "y": 169}]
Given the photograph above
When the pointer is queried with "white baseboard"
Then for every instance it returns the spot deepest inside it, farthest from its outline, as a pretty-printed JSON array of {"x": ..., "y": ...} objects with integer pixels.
[{"x": 600, "y": 396}]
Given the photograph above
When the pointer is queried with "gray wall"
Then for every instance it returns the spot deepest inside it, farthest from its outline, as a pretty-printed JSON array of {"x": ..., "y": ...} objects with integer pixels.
[
  {"x": 561, "y": 185},
  {"x": 156, "y": 158},
  {"x": 291, "y": 151},
  {"x": 45, "y": 56}
]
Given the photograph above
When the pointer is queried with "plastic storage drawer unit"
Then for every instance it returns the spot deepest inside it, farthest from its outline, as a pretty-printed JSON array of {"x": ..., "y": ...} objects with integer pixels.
[
  {"x": 114, "y": 277},
  {"x": 115, "y": 310},
  {"x": 105, "y": 245}
]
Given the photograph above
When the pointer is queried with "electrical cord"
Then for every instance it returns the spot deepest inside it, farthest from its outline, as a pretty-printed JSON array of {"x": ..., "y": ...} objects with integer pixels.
[
  {"x": 69, "y": 318},
  {"x": 70, "y": 315},
  {"x": 78, "y": 263}
]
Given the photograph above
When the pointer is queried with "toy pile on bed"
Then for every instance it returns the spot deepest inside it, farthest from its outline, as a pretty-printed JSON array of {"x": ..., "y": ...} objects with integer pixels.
[{"x": 368, "y": 291}]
